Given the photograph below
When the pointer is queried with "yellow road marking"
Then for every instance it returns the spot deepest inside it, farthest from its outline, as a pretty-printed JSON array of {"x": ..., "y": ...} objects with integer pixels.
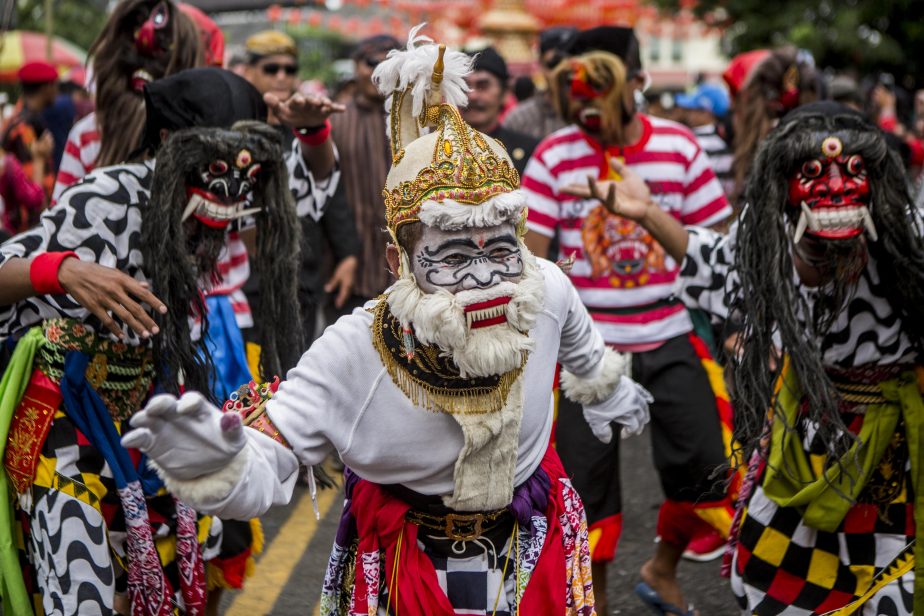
[{"x": 278, "y": 560}]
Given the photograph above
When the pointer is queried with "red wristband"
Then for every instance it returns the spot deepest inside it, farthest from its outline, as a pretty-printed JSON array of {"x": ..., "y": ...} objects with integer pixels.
[
  {"x": 316, "y": 137},
  {"x": 43, "y": 272}
]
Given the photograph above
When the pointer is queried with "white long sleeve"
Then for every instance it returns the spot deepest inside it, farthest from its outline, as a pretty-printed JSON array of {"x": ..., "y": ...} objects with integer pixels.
[
  {"x": 267, "y": 478},
  {"x": 340, "y": 397}
]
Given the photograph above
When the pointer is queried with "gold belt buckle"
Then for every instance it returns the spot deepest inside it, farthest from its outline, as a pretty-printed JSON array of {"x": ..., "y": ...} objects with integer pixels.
[{"x": 463, "y": 526}]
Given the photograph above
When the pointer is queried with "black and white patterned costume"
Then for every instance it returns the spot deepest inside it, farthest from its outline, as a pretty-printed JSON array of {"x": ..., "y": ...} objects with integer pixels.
[
  {"x": 867, "y": 333},
  {"x": 99, "y": 218}
]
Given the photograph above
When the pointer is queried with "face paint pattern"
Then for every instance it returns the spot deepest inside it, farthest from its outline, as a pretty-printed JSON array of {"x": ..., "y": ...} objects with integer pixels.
[{"x": 462, "y": 260}]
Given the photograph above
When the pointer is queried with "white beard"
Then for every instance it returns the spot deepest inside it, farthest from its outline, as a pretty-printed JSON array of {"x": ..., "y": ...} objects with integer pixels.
[{"x": 439, "y": 318}]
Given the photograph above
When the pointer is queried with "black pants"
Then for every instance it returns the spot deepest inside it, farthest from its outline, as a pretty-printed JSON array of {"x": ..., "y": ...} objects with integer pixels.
[{"x": 686, "y": 434}]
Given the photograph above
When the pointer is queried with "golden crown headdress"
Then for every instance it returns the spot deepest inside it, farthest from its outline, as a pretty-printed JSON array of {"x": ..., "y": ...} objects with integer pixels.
[{"x": 452, "y": 176}]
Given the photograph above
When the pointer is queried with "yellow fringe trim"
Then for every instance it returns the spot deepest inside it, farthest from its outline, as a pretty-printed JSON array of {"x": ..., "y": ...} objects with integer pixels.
[
  {"x": 215, "y": 576},
  {"x": 464, "y": 401},
  {"x": 256, "y": 531}
]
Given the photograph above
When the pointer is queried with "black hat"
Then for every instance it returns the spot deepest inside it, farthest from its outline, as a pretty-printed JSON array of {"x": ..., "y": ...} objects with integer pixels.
[
  {"x": 617, "y": 40},
  {"x": 558, "y": 38},
  {"x": 199, "y": 97},
  {"x": 375, "y": 44},
  {"x": 489, "y": 60}
]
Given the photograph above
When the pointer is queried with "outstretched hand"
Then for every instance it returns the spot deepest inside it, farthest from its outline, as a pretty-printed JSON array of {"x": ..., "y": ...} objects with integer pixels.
[
  {"x": 626, "y": 406},
  {"x": 187, "y": 437},
  {"x": 302, "y": 110},
  {"x": 629, "y": 197},
  {"x": 107, "y": 292}
]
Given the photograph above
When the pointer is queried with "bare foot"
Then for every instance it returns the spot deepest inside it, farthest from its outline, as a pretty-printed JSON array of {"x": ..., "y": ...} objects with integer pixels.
[{"x": 665, "y": 584}]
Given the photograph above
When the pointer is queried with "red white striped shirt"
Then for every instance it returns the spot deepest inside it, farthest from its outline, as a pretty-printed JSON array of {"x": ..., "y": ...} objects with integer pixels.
[
  {"x": 622, "y": 275},
  {"x": 80, "y": 154}
]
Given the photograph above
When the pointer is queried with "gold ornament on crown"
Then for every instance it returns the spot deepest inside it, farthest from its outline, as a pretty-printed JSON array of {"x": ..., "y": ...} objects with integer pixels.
[{"x": 464, "y": 165}]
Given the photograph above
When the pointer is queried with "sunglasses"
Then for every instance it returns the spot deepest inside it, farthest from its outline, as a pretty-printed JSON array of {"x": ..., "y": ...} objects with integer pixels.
[{"x": 272, "y": 68}]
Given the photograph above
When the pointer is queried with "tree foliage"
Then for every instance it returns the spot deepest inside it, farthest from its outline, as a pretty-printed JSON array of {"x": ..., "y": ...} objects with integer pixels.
[
  {"x": 318, "y": 48},
  {"x": 78, "y": 21},
  {"x": 868, "y": 35}
]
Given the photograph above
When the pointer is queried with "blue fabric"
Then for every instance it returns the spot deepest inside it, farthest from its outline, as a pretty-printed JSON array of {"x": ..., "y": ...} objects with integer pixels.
[
  {"x": 226, "y": 347},
  {"x": 151, "y": 483},
  {"x": 88, "y": 412},
  {"x": 59, "y": 118}
]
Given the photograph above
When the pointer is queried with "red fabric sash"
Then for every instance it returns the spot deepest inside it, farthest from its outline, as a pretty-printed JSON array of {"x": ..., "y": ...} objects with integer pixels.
[
  {"x": 30, "y": 425},
  {"x": 416, "y": 591}
]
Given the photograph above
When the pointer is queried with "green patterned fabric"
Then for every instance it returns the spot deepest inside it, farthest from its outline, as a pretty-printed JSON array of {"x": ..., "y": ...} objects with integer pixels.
[
  {"x": 15, "y": 598},
  {"x": 791, "y": 482}
]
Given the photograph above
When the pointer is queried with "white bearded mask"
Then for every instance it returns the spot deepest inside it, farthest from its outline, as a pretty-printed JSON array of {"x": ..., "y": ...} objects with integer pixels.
[{"x": 474, "y": 293}]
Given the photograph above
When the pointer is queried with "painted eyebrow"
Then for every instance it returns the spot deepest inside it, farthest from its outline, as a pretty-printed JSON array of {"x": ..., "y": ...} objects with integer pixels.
[
  {"x": 467, "y": 243},
  {"x": 456, "y": 243},
  {"x": 502, "y": 238}
]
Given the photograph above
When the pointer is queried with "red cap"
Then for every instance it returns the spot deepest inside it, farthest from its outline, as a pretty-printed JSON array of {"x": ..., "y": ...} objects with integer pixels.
[
  {"x": 213, "y": 40},
  {"x": 740, "y": 68},
  {"x": 37, "y": 72}
]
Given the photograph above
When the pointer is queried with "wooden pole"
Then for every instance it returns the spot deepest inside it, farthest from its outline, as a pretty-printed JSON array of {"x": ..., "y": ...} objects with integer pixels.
[{"x": 49, "y": 27}]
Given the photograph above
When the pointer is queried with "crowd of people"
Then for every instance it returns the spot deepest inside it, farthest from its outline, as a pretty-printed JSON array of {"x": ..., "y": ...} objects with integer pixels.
[{"x": 466, "y": 291}]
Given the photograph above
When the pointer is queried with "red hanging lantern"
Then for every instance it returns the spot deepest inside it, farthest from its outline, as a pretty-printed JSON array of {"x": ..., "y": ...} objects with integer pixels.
[{"x": 273, "y": 13}]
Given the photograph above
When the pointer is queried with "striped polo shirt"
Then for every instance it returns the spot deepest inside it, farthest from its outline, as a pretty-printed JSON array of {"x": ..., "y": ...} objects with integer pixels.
[{"x": 623, "y": 276}]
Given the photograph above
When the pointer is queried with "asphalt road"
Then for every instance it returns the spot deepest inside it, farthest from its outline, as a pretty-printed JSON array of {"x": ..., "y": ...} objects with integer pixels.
[{"x": 289, "y": 573}]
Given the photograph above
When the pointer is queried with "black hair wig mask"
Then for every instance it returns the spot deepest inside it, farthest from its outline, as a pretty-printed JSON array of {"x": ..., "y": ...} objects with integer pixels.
[
  {"x": 181, "y": 162},
  {"x": 769, "y": 299}
]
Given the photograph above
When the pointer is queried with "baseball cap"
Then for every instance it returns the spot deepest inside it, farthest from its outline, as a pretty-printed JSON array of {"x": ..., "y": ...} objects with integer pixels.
[{"x": 707, "y": 97}]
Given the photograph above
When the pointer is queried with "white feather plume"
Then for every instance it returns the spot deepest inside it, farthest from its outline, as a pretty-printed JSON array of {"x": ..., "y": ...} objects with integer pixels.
[{"x": 413, "y": 67}]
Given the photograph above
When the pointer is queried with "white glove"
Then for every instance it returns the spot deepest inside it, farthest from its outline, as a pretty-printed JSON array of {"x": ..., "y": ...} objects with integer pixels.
[
  {"x": 188, "y": 438},
  {"x": 627, "y": 405}
]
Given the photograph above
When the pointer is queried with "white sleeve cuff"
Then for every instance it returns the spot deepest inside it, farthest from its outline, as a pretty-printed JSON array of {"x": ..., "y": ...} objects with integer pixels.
[
  {"x": 208, "y": 488},
  {"x": 600, "y": 383}
]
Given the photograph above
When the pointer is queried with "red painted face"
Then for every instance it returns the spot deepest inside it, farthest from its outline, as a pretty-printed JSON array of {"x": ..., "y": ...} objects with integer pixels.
[
  {"x": 835, "y": 189},
  {"x": 585, "y": 95}
]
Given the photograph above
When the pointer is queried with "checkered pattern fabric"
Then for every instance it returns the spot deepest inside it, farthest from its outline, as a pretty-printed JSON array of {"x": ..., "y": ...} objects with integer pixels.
[
  {"x": 472, "y": 580},
  {"x": 472, "y": 583},
  {"x": 783, "y": 566}
]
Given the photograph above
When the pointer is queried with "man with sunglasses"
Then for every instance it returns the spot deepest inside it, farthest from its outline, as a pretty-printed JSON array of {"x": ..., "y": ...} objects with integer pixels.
[
  {"x": 272, "y": 64},
  {"x": 537, "y": 116},
  {"x": 272, "y": 67}
]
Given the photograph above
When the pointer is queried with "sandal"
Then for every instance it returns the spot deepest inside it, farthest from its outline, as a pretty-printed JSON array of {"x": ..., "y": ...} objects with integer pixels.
[{"x": 658, "y": 605}]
